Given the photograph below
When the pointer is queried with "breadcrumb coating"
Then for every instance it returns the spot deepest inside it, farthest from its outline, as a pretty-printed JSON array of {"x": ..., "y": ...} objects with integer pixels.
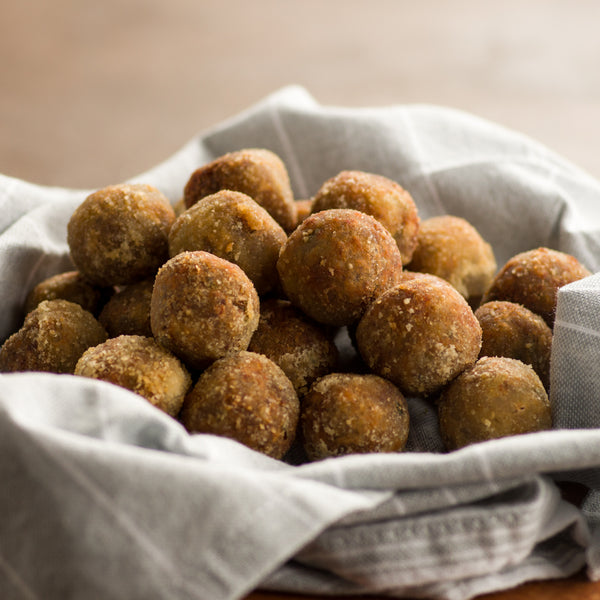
[
  {"x": 302, "y": 348},
  {"x": 246, "y": 397},
  {"x": 203, "y": 308},
  {"x": 336, "y": 263},
  {"x": 72, "y": 286},
  {"x": 257, "y": 172},
  {"x": 349, "y": 413},
  {"x": 451, "y": 248},
  {"x": 511, "y": 330},
  {"x": 128, "y": 311},
  {"x": 53, "y": 337},
  {"x": 496, "y": 397},
  {"x": 533, "y": 279},
  {"x": 233, "y": 226},
  {"x": 141, "y": 365},
  {"x": 378, "y": 196},
  {"x": 420, "y": 334},
  {"x": 119, "y": 234}
]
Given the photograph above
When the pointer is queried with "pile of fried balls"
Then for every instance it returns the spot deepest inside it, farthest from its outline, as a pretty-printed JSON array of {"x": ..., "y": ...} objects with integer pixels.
[{"x": 225, "y": 311}]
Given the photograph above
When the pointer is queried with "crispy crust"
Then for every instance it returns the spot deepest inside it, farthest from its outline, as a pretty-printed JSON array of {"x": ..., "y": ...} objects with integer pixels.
[
  {"x": 511, "y": 330},
  {"x": 451, "y": 248},
  {"x": 495, "y": 398},
  {"x": 128, "y": 311},
  {"x": 141, "y": 365},
  {"x": 233, "y": 226},
  {"x": 420, "y": 335},
  {"x": 118, "y": 235},
  {"x": 303, "y": 209},
  {"x": 257, "y": 172},
  {"x": 303, "y": 349},
  {"x": 202, "y": 308},
  {"x": 347, "y": 413},
  {"x": 246, "y": 397},
  {"x": 53, "y": 337},
  {"x": 533, "y": 279},
  {"x": 72, "y": 286},
  {"x": 336, "y": 262},
  {"x": 377, "y": 196}
]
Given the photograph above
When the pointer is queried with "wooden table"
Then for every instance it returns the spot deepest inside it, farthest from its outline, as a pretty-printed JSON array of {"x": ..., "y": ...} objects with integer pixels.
[
  {"x": 93, "y": 93},
  {"x": 577, "y": 588}
]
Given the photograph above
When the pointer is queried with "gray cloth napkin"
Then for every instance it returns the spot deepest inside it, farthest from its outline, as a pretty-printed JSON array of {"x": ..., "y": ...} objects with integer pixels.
[{"x": 104, "y": 496}]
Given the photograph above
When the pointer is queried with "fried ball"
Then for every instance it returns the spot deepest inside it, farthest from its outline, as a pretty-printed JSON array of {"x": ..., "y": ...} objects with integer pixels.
[
  {"x": 303, "y": 349},
  {"x": 53, "y": 337},
  {"x": 202, "y": 308},
  {"x": 179, "y": 207},
  {"x": 511, "y": 330},
  {"x": 533, "y": 279},
  {"x": 119, "y": 234},
  {"x": 139, "y": 364},
  {"x": 245, "y": 397},
  {"x": 70, "y": 286},
  {"x": 496, "y": 397},
  {"x": 336, "y": 263},
  {"x": 420, "y": 335},
  {"x": 303, "y": 209},
  {"x": 451, "y": 248},
  {"x": 402, "y": 277},
  {"x": 128, "y": 311},
  {"x": 348, "y": 413},
  {"x": 233, "y": 226},
  {"x": 377, "y": 196},
  {"x": 257, "y": 172}
]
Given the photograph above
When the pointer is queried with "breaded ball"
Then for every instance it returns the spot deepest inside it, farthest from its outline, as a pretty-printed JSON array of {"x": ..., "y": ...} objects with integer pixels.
[
  {"x": 336, "y": 263},
  {"x": 203, "y": 307},
  {"x": 303, "y": 209},
  {"x": 451, "y": 248},
  {"x": 128, "y": 311},
  {"x": 72, "y": 286},
  {"x": 348, "y": 413},
  {"x": 402, "y": 277},
  {"x": 245, "y": 397},
  {"x": 420, "y": 335},
  {"x": 533, "y": 279},
  {"x": 511, "y": 330},
  {"x": 139, "y": 364},
  {"x": 233, "y": 226},
  {"x": 53, "y": 337},
  {"x": 119, "y": 234},
  {"x": 257, "y": 172},
  {"x": 179, "y": 207},
  {"x": 302, "y": 348},
  {"x": 496, "y": 397},
  {"x": 377, "y": 196}
]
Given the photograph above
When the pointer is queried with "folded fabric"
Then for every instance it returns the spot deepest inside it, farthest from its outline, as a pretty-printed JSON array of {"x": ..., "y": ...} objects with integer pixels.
[{"x": 104, "y": 496}]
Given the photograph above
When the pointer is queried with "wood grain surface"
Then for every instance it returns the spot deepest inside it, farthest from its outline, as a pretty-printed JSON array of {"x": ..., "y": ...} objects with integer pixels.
[
  {"x": 96, "y": 92},
  {"x": 574, "y": 589}
]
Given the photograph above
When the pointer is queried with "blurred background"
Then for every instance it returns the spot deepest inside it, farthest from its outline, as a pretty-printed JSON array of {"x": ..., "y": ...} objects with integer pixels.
[{"x": 96, "y": 92}]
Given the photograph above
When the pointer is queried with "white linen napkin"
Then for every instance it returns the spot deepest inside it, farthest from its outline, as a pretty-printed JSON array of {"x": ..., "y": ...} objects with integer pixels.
[{"x": 104, "y": 496}]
